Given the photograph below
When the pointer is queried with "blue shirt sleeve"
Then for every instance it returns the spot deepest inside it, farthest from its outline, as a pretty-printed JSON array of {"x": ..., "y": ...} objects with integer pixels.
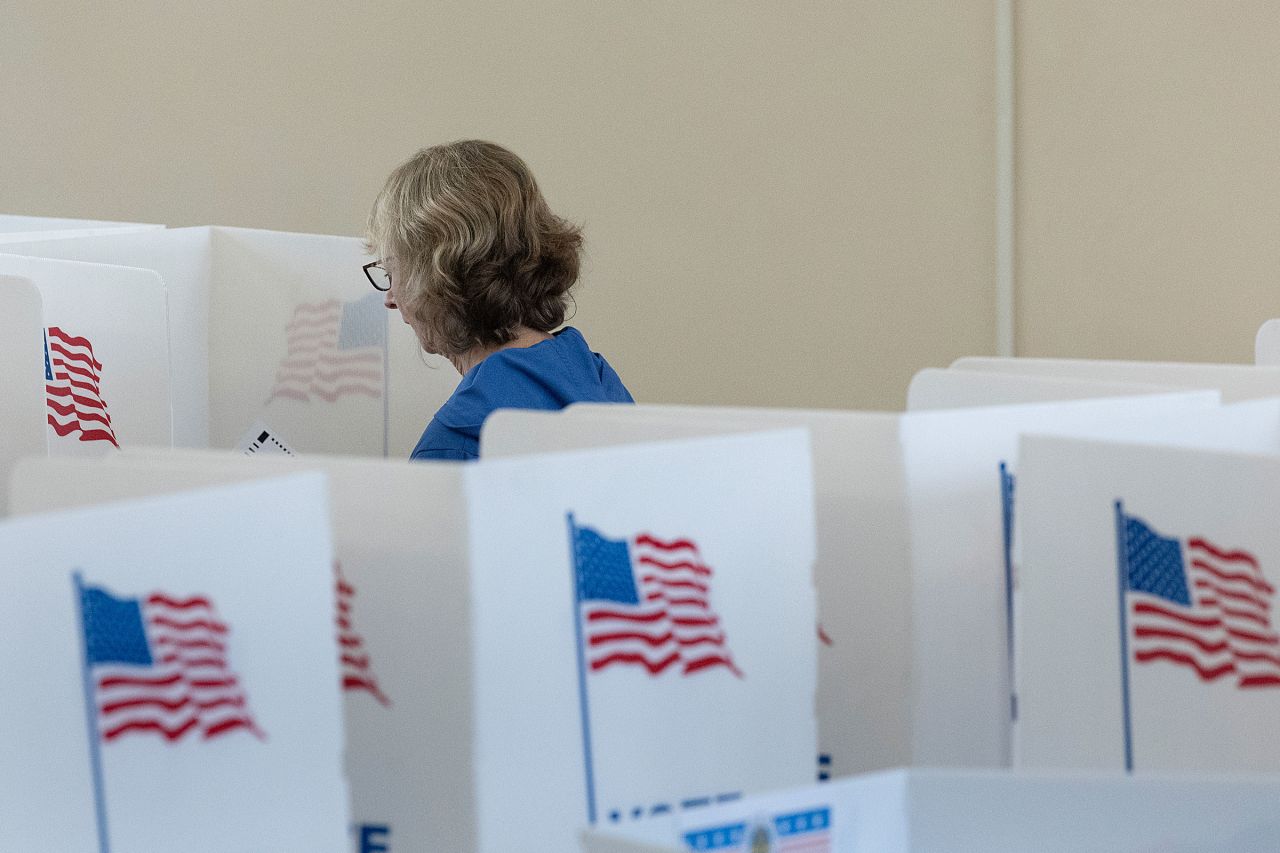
[{"x": 442, "y": 453}]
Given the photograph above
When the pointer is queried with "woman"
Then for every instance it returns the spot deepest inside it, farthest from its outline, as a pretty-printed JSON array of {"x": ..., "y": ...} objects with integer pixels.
[{"x": 480, "y": 269}]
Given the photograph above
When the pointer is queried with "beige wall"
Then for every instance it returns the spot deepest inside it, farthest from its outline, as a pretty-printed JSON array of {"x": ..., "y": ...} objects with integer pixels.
[
  {"x": 1148, "y": 177},
  {"x": 786, "y": 203}
]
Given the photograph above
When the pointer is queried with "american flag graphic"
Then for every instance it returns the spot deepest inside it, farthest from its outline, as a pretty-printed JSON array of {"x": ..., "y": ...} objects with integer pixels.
[
  {"x": 645, "y": 602},
  {"x": 803, "y": 831},
  {"x": 334, "y": 349},
  {"x": 72, "y": 383},
  {"x": 158, "y": 665},
  {"x": 1198, "y": 605},
  {"x": 357, "y": 674}
]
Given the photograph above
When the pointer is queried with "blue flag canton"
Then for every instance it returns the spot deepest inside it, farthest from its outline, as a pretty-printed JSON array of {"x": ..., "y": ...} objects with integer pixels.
[
  {"x": 802, "y": 822},
  {"x": 1155, "y": 563},
  {"x": 113, "y": 629},
  {"x": 604, "y": 568},
  {"x": 363, "y": 323},
  {"x": 48, "y": 365},
  {"x": 717, "y": 838}
]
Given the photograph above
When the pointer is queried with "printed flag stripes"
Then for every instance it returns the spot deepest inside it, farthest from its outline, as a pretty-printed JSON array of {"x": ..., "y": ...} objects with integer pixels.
[
  {"x": 357, "y": 674},
  {"x": 158, "y": 665},
  {"x": 334, "y": 349},
  {"x": 1198, "y": 605},
  {"x": 73, "y": 394},
  {"x": 807, "y": 831},
  {"x": 645, "y": 602}
]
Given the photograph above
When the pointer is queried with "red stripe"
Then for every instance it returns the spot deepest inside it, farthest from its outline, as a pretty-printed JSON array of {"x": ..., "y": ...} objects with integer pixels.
[
  {"x": 707, "y": 662},
  {"x": 1231, "y": 556},
  {"x": 65, "y": 337},
  {"x": 173, "y": 704},
  {"x": 231, "y": 725},
  {"x": 169, "y": 734},
  {"x": 696, "y": 622},
  {"x": 1249, "y": 681},
  {"x": 1269, "y": 639},
  {"x": 213, "y": 645},
  {"x": 206, "y": 624},
  {"x": 332, "y": 396},
  {"x": 696, "y": 568},
  {"x": 85, "y": 435},
  {"x": 1218, "y": 589},
  {"x": 598, "y": 615},
  {"x": 673, "y": 545},
  {"x": 1209, "y": 601},
  {"x": 138, "y": 681},
  {"x": 1203, "y": 622},
  {"x": 348, "y": 373},
  {"x": 1257, "y": 656},
  {"x": 1209, "y": 648},
  {"x": 353, "y": 683},
  {"x": 1260, "y": 585},
  {"x": 68, "y": 368},
  {"x": 700, "y": 587},
  {"x": 361, "y": 662},
  {"x": 1185, "y": 660},
  {"x": 179, "y": 603},
  {"x": 350, "y": 642},
  {"x": 69, "y": 356},
  {"x": 627, "y": 658},
  {"x": 211, "y": 683},
  {"x": 290, "y": 394}
]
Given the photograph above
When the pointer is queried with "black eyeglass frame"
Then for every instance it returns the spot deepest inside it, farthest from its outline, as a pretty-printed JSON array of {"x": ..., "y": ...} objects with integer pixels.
[{"x": 372, "y": 280}]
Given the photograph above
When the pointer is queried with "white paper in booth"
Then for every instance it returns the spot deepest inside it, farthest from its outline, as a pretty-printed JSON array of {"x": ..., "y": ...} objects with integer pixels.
[
  {"x": 106, "y": 354},
  {"x": 862, "y": 571},
  {"x": 1146, "y": 608},
  {"x": 1266, "y": 345},
  {"x": 959, "y": 811},
  {"x": 932, "y": 388},
  {"x": 15, "y": 229},
  {"x": 400, "y": 547},
  {"x": 960, "y": 470},
  {"x": 22, "y": 417},
  {"x": 1235, "y": 381},
  {"x": 643, "y": 628},
  {"x": 158, "y": 708}
]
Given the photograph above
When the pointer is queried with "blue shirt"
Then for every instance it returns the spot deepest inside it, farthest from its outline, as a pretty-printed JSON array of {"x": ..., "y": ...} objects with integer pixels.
[{"x": 548, "y": 375}]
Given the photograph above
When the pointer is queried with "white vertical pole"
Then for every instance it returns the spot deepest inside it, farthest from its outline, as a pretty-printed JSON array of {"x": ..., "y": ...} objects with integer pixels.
[{"x": 1005, "y": 225}]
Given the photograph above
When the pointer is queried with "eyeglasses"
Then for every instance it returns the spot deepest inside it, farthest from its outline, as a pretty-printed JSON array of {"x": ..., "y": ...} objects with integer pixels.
[{"x": 377, "y": 275}]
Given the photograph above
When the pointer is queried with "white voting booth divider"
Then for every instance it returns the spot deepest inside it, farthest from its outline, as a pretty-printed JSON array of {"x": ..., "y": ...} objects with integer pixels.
[
  {"x": 281, "y": 329},
  {"x": 957, "y": 811},
  {"x": 105, "y": 353},
  {"x": 22, "y": 417},
  {"x": 151, "y": 704},
  {"x": 1147, "y": 629},
  {"x": 497, "y": 732},
  {"x": 913, "y": 570},
  {"x": 16, "y": 229},
  {"x": 1266, "y": 346},
  {"x": 1235, "y": 381},
  {"x": 933, "y": 388}
]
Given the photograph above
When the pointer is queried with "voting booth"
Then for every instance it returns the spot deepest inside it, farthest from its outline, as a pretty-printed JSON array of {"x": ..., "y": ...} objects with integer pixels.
[
  {"x": 1235, "y": 381},
  {"x": 933, "y": 388},
  {"x": 1266, "y": 346},
  {"x": 1147, "y": 630},
  {"x": 18, "y": 229},
  {"x": 957, "y": 811},
  {"x": 105, "y": 349},
  {"x": 23, "y": 415},
  {"x": 151, "y": 704},
  {"x": 913, "y": 572},
  {"x": 277, "y": 330},
  {"x": 530, "y": 646}
]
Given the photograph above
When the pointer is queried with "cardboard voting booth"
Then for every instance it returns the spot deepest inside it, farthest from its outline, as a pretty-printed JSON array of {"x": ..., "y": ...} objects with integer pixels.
[
  {"x": 913, "y": 573},
  {"x": 105, "y": 351},
  {"x": 932, "y": 388},
  {"x": 1266, "y": 346},
  {"x": 1146, "y": 611},
  {"x": 532, "y": 670},
  {"x": 1235, "y": 381},
  {"x": 16, "y": 229},
  {"x": 22, "y": 417},
  {"x": 277, "y": 328},
  {"x": 956, "y": 811},
  {"x": 151, "y": 703}
]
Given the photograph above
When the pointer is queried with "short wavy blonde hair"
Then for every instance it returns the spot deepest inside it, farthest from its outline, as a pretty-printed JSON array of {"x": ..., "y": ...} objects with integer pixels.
[{"x": 474, "y": 249}]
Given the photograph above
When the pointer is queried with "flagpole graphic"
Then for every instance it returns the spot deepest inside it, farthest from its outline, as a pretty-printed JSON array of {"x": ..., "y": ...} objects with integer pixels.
[{"x": 91, "y": 717}]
